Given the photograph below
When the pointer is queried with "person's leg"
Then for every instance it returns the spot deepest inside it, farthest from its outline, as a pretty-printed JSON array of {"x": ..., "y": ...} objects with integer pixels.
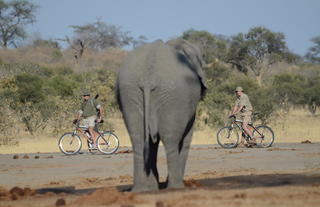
[
  {"x": 246, "y": 121},
  {"x": 91, "y": 125}
]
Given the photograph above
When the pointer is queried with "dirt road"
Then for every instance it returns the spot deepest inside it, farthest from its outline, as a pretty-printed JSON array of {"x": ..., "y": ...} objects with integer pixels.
[{"x": 284, "y": 175}]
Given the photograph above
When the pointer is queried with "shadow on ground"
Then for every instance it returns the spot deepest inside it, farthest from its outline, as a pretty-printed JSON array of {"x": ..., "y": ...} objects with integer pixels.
[
  {"x": 221, "y": 183},
  {"x": 253, "y": 181}
]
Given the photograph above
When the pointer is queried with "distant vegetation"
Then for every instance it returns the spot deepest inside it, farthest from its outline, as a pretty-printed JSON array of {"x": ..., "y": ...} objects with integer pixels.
[{"x": 40, "y": 82}]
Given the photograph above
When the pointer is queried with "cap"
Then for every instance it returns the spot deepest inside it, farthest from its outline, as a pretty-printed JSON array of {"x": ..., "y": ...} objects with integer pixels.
[
  {"x": 239, "y": 88},
  {"x": 86, "y": 93}
]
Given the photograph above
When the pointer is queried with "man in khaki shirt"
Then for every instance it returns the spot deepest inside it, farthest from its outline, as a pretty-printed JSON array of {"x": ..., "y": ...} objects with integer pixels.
[
  {"x": 243, "y": 107},
  {"x": 88, "y": 111}
]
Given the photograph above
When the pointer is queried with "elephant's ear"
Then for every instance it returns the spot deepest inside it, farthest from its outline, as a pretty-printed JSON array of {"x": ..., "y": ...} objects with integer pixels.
[{"x": 193, "y": 57}]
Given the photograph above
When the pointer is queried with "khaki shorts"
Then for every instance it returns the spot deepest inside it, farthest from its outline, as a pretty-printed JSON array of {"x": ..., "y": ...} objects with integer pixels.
[
  {"x": 89, "y": 121},
  {"x": 246, "y": 116}
]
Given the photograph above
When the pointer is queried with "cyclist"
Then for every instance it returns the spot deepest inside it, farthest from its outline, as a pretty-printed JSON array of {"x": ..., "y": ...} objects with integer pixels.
[
  {"x": 92, "y": 112},
  {"x": 243, "y": 107}
]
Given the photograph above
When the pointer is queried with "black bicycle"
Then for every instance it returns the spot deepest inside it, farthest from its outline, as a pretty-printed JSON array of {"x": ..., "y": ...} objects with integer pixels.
[
  {"x": 228, "y": 136},
  {"x": 70, "y": 143}
]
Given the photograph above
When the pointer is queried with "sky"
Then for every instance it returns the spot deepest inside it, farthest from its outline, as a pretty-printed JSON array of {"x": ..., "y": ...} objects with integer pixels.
[{"x": 299, "y": 20}]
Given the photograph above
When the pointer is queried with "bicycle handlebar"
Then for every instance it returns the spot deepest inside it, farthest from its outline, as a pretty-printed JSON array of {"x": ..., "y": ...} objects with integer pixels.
[{"x": 232, "y": 116}]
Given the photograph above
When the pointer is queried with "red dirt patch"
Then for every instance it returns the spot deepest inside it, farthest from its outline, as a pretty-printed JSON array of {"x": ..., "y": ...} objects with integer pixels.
[
  {"x": 192, "y": 183},
  {"x": 124, "y": 152},
  {"x": 15, "y": 193},
  {"x": 107, "y": 196},
  {"x": 25, "y": 157}
]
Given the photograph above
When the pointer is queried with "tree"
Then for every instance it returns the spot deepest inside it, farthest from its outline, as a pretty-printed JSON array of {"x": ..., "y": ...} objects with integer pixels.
[
  {"x": 313, "y": 54},
  {"x": 38, "y": 41},
  {"x": 214, "y": 47},
  {"x": 141, "y": 40},
  {"x": 258, "y": 50},
  {"x": 288, "y": 89},
  {"x": 311, "y": 96},
  {"x": 100, "y": 36},
  {"x": 14, "y": 16}
]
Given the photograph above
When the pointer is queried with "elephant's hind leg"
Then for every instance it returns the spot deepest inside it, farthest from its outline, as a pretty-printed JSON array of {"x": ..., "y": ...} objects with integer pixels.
[
  {"x": 177, "y": 153},
  {"x": 145, "y": 177}
]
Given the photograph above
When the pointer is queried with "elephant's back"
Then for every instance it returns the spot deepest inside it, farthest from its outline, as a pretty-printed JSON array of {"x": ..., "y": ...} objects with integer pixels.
[
  {"x": 139, "y": 62},
  {"x": 161, "y": 65}
]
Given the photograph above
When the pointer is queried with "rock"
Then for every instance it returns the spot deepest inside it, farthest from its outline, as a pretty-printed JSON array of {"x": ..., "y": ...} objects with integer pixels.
[
  {"x": 25, "y": 157},
  {"x": 60, "y": 202}
]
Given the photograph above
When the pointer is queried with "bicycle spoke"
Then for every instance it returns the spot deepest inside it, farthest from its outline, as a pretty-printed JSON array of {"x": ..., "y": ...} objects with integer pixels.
[
  {"x": 108, "y": 143},
  {"x": 265, "y": 136},
  {"x": 227, "y": 137},
  {"x": 70, "y": 144}
]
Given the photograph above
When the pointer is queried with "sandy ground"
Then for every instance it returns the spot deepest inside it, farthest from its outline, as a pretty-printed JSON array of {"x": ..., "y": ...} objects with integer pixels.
[{"x": 283, "y": 175}]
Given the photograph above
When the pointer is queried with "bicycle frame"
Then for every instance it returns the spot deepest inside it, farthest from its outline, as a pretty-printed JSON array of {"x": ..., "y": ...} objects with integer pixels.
[{"x": 238, "y": 123}]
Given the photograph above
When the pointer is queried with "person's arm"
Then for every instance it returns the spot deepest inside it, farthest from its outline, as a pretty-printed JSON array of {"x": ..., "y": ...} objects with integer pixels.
[
  {"x": 237, "y": 109},
  {"x": 234, "y": 110},
  {"x": 78, "y": 116},
  {"x": 101, "y": 114},
  {"x": 100, "y": 109}
]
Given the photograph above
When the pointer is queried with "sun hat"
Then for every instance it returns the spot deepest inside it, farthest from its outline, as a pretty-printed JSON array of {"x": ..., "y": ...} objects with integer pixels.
[{"x": 239, "y": 88}]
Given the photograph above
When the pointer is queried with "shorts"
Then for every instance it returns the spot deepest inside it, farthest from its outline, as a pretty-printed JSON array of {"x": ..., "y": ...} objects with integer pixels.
[
  {"x": 89, "y": 121},
  {"x": 246, "y": 116}
]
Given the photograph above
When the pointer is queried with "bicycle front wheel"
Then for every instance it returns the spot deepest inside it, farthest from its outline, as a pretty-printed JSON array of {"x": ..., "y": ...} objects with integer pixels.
[
  {"x": 264, "y": 136},
  {"x": 228, "y": 137},
  {"x": 70, "y": 143},
  {"x": 107, "y": 143}
]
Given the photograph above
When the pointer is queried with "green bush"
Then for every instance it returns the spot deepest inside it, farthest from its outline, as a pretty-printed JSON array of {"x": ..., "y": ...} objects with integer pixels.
[
  {"x": 29, "y": 88},
  {"x": 288, "y": 89},
  {"x": 61, "y": 86},
  {"x": 63, "y": 71},
  {"x": 311, "y": 95}
]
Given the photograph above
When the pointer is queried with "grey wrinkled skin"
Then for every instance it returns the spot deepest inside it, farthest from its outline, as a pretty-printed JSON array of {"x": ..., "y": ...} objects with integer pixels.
[{"x": 158, "y": 89}]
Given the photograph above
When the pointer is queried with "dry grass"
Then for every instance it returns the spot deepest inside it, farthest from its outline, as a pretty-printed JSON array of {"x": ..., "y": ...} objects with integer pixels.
[
  {"x": 51, "y": 57},
  {"x": 298, "y": 126}
]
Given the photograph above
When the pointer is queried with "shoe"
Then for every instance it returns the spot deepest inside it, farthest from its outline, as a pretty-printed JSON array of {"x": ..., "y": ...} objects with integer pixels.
[
  {"x": 253, "y": 141},
  {"x": 241, "y": 145},
  {"x": 92, "y": 146}
]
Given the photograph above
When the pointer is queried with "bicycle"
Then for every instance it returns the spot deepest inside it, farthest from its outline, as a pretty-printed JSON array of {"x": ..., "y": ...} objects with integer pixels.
[
  {"x": 70, "y": 143},
  {"x": 228, "y": 136}
]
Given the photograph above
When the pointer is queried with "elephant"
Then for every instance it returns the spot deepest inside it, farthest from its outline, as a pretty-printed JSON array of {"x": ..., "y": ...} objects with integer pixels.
[{"x": 158, "y": 89}]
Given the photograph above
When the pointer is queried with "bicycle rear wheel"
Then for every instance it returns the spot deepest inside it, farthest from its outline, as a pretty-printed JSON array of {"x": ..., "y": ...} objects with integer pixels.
[
  {"x": 264, "y": 136},
  {"x": 70, "y": 143},
  {"x": 107, "y": 143},
  {"x": 228, "y": 137}
]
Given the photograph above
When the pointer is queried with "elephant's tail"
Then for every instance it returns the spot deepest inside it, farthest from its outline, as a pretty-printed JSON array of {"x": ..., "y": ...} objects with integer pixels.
[{"x": 146, "y": 103}]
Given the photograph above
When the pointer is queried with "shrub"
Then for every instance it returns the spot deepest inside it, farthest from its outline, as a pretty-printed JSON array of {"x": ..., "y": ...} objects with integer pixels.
[
  {"x": 29, "y": 88},
  {"x": 61, "y": 86}
]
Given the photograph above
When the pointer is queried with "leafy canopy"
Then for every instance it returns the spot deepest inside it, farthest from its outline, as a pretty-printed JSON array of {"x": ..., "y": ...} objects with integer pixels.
[{"x": 14, "y": 16}]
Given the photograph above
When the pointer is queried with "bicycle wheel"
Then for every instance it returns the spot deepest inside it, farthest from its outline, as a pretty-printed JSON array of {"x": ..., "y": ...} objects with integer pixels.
[
  {"x": 264, "y": 136},
  {"x": 228, "y": 137},
  {"x": 107, "y": 143},
  {"x": 70, "y": 143}
]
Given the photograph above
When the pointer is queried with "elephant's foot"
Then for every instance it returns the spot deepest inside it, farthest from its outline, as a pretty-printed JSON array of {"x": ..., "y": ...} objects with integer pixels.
[
  {"x": 175, "y": 185},
  {"x": 142, "y": 188}
]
